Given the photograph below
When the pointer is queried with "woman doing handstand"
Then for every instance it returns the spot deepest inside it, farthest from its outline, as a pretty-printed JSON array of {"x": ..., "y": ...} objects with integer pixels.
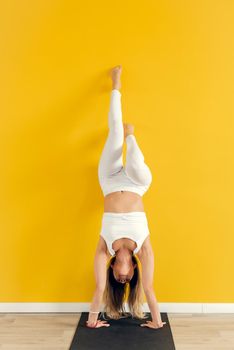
[{"x": 124, "y": 238}]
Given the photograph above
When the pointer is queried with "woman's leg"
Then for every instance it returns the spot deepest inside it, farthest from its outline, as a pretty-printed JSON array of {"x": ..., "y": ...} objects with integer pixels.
[
  {"x": 111, "y": 160},
  {"x": 135, "y": 167}
]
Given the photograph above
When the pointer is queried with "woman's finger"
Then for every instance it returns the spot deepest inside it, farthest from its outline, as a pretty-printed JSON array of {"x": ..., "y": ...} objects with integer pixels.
[
  {"x": 102, "y": 325},
  {"x": 150, "y": 324}
]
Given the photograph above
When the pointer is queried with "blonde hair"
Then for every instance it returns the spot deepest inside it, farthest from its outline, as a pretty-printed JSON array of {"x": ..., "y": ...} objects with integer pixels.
[{"x": 117, "y": 293}]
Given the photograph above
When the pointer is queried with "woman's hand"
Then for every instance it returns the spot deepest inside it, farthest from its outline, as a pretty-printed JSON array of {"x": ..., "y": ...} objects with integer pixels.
[
  {"x": 97, "y": 324},
  {"x": 152, "y": 324}
]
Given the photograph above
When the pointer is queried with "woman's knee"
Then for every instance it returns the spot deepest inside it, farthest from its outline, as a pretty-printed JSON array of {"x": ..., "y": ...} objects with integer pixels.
[{"x": 141, "y": 176}]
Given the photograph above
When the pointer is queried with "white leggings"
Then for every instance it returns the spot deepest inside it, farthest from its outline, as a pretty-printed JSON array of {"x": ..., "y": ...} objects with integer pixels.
[{"x": 111, "y": 160}]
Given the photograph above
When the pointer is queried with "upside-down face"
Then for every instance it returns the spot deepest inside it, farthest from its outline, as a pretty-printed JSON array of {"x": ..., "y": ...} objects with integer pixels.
[{"x": 123, "y": 271}]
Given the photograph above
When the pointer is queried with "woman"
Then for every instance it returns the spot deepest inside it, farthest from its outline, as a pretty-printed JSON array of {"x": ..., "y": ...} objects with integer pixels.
[{"x": 124, "y": 236}]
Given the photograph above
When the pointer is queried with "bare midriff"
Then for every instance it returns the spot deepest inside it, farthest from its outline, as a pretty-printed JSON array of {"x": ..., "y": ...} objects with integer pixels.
[{"x": 123, "y": 202}]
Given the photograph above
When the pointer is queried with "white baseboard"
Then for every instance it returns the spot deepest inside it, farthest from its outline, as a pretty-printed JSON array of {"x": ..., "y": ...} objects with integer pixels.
[{"x": 85, "y": 307}]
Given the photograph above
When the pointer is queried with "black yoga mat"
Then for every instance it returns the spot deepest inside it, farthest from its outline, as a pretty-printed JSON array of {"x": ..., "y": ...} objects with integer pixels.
[{"x": 125, "y": 333}]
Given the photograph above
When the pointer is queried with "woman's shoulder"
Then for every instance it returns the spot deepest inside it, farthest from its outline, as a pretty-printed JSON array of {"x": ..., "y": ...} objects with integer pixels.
[
  {"x": 103, "y": 246},
  {"x": 146, "y": 246}
]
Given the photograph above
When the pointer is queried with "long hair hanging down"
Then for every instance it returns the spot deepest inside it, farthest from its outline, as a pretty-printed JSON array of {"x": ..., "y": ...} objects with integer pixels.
[{"x": 117, "y": 293}]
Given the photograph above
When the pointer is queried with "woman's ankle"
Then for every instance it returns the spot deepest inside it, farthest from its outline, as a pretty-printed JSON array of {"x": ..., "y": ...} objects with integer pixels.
[{"x": 116, "y": 85}]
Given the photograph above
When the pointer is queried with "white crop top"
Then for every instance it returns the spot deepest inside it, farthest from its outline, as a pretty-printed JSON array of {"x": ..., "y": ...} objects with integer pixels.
[
  {"x": 132, "y": 225},
  {"x": 120, "y": 181}
]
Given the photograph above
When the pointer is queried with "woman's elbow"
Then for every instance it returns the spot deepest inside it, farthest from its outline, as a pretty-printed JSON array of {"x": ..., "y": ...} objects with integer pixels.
[
  {"x": 100, "y": 288},
  {"x": 148, "y": 288}
]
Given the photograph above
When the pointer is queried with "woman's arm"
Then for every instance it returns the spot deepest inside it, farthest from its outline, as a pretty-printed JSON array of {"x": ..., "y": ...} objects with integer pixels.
[
  {"x": 100, "y": 261},
  {"x": 146, "y": 257}
]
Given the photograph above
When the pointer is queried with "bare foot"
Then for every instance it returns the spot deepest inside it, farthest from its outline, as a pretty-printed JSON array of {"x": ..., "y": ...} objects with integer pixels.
[
  {"x": 128, "y": 129},
  {"x": 115, "y": 76}
]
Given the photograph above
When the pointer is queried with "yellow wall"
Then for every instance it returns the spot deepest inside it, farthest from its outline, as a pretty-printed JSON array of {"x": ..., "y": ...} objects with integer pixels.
[{"x": 178, "y": 73}]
